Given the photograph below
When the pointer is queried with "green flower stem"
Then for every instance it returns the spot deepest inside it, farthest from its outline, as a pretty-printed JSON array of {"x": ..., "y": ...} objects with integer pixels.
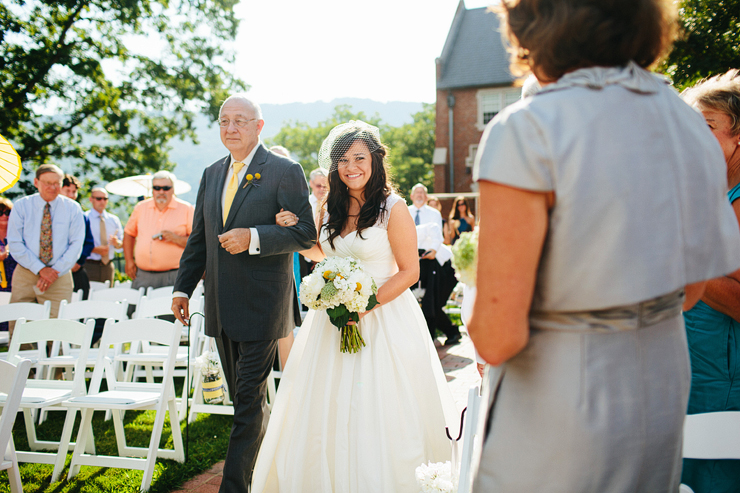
[{"x": 351, "y": 340}]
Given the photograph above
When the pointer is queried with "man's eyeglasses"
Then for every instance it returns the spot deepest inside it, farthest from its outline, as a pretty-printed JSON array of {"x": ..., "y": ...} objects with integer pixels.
[
  {"x": 99, "y": 198},
  {"x": 239, "y": 122},
  {"x": 6, "y": 212},
  {"x": 157, "y": 188}
]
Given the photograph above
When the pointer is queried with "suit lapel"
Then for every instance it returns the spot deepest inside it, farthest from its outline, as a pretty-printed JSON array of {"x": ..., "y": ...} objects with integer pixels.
[
  {"x": 254, "y": 167},
  {"x": 222, "y": 173}
]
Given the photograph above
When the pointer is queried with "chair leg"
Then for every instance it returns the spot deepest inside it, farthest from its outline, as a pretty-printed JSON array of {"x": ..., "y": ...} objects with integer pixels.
[
  {"x": 28, "y": 415},
  {"x": 151, "y": 457},
  {"x": 82, "y": 437},
  {"x": 176, "y": 432},
  {"x": 120, "y": 432},
  {"x": 69, "y": 422},
  {"x": 14, "y": 473},
  {"x": 197, "y": 397}
]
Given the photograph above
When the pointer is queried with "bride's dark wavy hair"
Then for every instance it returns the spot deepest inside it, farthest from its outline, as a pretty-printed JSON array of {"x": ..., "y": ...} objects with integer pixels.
[{"x": 377, "y": 189}]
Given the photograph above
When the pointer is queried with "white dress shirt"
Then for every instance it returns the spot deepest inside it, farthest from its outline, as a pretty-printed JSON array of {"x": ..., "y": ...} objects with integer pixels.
[
  {"x": 112, "y": 227},
  {"x": 427, "y": 214},
  {"x": 254, "y": 241}
]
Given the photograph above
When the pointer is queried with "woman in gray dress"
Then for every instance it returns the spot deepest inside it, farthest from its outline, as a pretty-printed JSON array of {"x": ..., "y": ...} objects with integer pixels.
[{"x": 602, "y": 214}]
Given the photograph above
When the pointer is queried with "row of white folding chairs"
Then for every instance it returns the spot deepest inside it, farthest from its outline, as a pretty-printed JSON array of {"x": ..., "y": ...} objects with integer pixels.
[
  {"x": 12, "y": 382},
  {"x": 120, "y": 396}
]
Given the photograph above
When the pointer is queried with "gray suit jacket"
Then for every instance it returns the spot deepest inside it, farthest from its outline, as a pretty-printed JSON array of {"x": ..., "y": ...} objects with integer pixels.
[{"x": 250, "y": 297}]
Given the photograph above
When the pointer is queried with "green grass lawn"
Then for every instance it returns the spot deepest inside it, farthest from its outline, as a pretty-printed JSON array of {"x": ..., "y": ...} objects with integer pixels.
[{"x": 208, "y": 439}]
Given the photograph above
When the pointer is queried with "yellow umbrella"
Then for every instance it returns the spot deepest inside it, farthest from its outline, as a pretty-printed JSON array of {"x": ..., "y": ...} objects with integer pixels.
[{"x": 10, "y": 165}]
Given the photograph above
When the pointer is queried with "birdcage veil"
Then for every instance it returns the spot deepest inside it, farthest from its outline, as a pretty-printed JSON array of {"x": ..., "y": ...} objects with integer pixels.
[{"x": 342, "y": 137}]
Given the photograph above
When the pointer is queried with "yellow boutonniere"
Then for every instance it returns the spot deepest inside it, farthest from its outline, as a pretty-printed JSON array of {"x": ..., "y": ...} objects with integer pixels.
[{"x": 252, "y": 180}]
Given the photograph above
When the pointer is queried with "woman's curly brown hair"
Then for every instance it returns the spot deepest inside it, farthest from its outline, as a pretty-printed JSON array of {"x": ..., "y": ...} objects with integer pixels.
[{"x": 554, "y": 37}]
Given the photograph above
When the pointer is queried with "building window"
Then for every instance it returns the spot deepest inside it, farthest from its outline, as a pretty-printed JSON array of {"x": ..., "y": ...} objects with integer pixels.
[
  {"x": 470, "y": 158},
  {"x": 491, "y": 101}
]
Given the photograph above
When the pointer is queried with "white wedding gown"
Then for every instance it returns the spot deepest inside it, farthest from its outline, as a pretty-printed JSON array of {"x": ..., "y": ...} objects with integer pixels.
[{"x": 359, "y": 422}]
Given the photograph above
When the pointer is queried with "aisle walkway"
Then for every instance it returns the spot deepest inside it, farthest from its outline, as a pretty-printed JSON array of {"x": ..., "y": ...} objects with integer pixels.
[{"x": 459, "y": 366}]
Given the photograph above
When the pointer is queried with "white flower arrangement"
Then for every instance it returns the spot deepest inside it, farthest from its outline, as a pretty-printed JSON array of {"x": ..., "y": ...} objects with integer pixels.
[
  {"x": 465, "y": 257},
  {"x": 436, "y": 478},
  {"x": 208, "y": 363},
  {"x": 340, "y": 286}
]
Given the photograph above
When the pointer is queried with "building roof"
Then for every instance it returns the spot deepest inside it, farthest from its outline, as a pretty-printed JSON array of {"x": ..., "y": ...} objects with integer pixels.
[{"x": 474, "y": 54}]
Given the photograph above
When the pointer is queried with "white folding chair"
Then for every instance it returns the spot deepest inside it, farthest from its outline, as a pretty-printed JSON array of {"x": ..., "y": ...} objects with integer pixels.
[
  {"x": 154, "y": 307},
  {"x": 43, "y": 393},
  {"x": 197, "y": 404},
  {"x": 165, "y": 291},
  {"x": 5, "y": 297},
  {"x": 712, "y": 435},
  {"x": 472, "y": 415},
  {"x": 97, "y": 285},
  {"x": 28, "y": 311},
  {"x": 122, "y": 396},
  {"x": 118, "y": 294},
  {"x": 124, "y": 284},
  {"x": 12, "y": 382}
]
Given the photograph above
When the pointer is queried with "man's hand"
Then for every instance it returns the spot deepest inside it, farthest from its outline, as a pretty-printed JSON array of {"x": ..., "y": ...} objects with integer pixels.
[
  {"x": 429, "y": 255},
  {"x": 131, "y": 268},
  {"x": 180, "y": 307},
  {"x": 113, "y": 240},
  {"x": 47, "y": 276},
  {"x": 101, "y": 250},
  {"x": 236, "y": 240},
  {"x": 174, "y": 238},
  {"x": 76, "y": 267}
]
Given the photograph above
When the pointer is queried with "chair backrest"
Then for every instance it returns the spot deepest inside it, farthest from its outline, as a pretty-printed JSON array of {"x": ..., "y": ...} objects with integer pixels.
[
  {"x": 96, "y": 285},
  {"x": 93, "y": 309},
  {"x": 131, "y": 331},
  {"x": 76, "y": 296},
  {"x": 12, "y": 382},
  {"x": 65, "y": 331},
  {"x": 118, "y": 294},
  {"x": 712, "y": 435},
  {"x": 28, "y": 311},
  {"x": 153, "y": 307},
  {"x": 5, "y": 297},
  {"x": 165, "y": 291},
  {"x": 124, "y": 284}
]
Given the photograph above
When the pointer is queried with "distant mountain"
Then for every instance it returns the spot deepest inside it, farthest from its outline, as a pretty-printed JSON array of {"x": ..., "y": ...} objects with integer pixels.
[{"x": 192, "y": 159}]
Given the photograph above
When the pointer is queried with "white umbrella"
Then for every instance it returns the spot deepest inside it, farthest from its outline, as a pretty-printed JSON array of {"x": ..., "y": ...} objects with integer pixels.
[
  {"x": 10, "y": 165},
  {"x": 141, "y": 185}
]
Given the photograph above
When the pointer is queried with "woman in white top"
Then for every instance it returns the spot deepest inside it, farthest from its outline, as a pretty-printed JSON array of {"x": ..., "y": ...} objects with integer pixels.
[{"x": 602, "y": 213}]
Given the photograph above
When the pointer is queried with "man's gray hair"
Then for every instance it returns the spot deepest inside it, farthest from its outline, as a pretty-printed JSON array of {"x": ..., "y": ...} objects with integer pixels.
[
  {"x": 49, "y": 168},
  {"x": 317, "y": 172},
  {"x": 242, "y": 96},
  {"x": 165, "y": 175},
  {"x": 99, "y": 189},
  {"x": 419, "y": 185}
]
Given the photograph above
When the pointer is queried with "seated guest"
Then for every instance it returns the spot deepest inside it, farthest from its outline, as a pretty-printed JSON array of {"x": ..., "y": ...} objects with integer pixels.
[
  {"x": 7, "y": 262},
  {"x": 713, "y": 325},
  {"x": 156, "y": 234},
  {"x": 45, "y": 236},
  {"x": 70, "y": 188}
]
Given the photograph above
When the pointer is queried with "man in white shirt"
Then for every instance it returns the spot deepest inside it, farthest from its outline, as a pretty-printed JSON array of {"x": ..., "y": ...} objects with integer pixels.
[
  {"x": 319, "y": 183},
  {"x": 436, "y": 275},
  {"x": 45, "y": 235},
  {"x": 107, "y": 232}
]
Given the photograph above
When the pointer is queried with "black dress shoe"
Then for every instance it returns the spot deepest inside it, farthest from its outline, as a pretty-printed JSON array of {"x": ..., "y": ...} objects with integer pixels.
[{"x": 452, "y": 340}]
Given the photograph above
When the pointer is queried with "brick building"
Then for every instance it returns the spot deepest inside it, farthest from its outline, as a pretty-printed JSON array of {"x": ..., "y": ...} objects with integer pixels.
[{"x": 473, "y": 84}]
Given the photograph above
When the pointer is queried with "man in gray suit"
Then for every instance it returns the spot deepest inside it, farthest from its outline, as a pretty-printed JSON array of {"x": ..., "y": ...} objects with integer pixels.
[{"x": 248, "y": 263}]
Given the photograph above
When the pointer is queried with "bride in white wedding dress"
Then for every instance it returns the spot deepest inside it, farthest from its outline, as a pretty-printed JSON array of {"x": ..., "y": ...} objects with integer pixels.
[{"x": 361, "y": 422}]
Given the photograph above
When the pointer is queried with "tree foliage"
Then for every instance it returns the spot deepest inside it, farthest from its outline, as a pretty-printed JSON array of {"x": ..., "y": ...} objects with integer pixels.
[
  {"x": 411, "y": 145},
  {"x": 102, "y": 86},
  {"x": 709, "y": 42}
]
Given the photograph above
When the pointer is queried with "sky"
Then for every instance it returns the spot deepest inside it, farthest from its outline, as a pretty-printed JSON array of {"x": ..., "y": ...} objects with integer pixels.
[{"x": 300, "y": 51}]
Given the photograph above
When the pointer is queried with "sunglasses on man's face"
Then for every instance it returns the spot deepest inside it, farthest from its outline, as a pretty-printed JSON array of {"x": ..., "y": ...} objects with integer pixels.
[
  {"x": 6, "y": 212},
  {"x": 166, "y": 188},
  {"x": 99, "y": 198}
]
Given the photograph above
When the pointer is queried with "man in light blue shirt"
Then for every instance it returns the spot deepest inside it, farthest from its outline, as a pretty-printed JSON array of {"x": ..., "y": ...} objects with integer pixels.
[
  {"x": 48, "y": 226},
  {"x": 108, "y": 235}
]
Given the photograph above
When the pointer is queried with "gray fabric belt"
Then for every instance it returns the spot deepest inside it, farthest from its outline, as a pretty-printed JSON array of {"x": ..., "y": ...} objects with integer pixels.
[{"x": 629, "y": 317}]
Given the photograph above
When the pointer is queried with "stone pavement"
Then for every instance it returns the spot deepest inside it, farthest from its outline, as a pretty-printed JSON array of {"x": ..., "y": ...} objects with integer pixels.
[{"x": 459, "y": 365}]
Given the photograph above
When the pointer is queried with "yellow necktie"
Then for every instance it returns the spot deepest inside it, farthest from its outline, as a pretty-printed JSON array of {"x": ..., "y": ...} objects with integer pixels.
[{"x": 232, "y": 188}]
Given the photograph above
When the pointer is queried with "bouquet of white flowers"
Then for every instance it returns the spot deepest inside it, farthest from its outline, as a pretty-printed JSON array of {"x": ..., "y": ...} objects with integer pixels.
[
  {"x": 465, "y": 257},
  {"x": 213, "y": 387},
  {"x": 340, "y": 286},
  {"x": 436, "y": 478}
]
